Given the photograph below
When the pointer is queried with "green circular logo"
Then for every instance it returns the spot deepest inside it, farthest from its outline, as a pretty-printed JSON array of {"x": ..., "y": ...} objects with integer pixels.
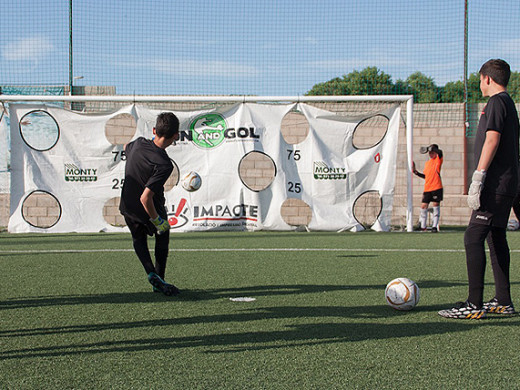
[{"x": 208, "y": 130}]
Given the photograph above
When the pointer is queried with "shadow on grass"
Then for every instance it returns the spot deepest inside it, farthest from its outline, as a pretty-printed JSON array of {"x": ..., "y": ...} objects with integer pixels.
[
  {"x": 293, "y": 335},
  {"x": 200, "y": 295}
]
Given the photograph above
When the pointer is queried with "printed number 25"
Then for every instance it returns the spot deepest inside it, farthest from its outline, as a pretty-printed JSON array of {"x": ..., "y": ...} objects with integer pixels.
[
  {"x": 294, "y": 187},
  {"x": 118, "y": 184}
]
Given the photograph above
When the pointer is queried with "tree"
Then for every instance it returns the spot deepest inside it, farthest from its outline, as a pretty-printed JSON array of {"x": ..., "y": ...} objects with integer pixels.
[
  {"x": 423, "y": 88},
  {"x": 369, "y": 81},
  {"x": 336, "y": 86},
  {"x": 453, "y": 92},
  {"x": 514, "y": 86},
  {"x": 372, "y": 81}
]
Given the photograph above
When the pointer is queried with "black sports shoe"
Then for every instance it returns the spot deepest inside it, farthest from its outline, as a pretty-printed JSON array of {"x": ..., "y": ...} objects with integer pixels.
[
  {"x": 434, "y": 230},
  {"x": 159, "y": 284},
  {"x": 464, "y": 310},
  {"x": 494, "y": 307}
]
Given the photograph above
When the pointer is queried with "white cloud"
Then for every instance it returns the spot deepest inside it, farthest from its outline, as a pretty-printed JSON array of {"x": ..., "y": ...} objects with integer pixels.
[{"x": 27, "y": 49}]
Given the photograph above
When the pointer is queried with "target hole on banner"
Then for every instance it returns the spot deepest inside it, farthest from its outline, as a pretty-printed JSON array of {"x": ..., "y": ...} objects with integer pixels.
[
  {"x": 296, "y": 212},
  {"x": 294, "y": 127},
  {"x": 256, "y": 170},
  {"x": 173, "y": 180},
  {"x": 112, "y": 214},
  {"x": 41, "y": 209},
  {"x": 39, "y": 130},
  {"x": 367, "y": 208},
  {"x": 370, "y": 132},
  {"x": 120, "y": 129}
]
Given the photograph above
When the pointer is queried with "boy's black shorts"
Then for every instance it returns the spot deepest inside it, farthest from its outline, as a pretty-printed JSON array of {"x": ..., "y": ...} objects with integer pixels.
[
  {"x": 138, "y": 229},
  {"x": 432, "y": 196},
  {"x": 494, "y": 210}
]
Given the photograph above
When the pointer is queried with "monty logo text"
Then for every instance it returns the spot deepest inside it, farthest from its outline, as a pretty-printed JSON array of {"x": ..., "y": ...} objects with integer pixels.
[
  {"x": 324, "y": 172},
  {"x": 74, "y": 173}
]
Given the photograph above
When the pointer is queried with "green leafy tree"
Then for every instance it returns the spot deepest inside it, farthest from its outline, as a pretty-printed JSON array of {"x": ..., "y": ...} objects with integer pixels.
[
  {"x": 401, "y": 87},
  {"x": 453, "y": 92},
  {"x": 514, "y": 86},
  {"x": 372, "y": 81},
  {"x": 369, "y": 81},
  {"x": 423, "y": 88},
  {"x": 336, "y": 86},
  {"x": 474, "y": 94}
]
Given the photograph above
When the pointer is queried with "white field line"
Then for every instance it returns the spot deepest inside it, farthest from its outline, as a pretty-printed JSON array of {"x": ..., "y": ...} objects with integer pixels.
[{"x": 383, "y": 250}]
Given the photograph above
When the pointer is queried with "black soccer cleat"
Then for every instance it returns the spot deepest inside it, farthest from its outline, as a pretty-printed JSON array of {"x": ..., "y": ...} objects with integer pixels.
[
  {"x": 160, "y": 285},
  {"x": 494, "y": 307},
  {"x": 464, "y": 311}
]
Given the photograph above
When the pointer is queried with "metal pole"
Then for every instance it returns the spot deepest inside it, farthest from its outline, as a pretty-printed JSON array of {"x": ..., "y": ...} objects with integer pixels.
[
  {"x": 71, "y": 77},
  {"x": 210, "y": 99},
  {"x": 409, "y": 150},
  {"x": 465, "y": 105}
]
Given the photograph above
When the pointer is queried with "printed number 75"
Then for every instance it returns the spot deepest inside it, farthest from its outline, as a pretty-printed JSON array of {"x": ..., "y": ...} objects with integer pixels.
[{"x": 294, "y": 154}]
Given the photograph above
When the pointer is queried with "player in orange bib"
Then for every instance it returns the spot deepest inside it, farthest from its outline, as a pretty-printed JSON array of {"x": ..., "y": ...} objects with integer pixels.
[{"x": 432, "y": 185}]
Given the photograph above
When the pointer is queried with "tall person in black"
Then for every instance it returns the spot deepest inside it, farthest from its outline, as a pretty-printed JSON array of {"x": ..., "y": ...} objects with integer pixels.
[
  {"x": 142, "y": 199},
  {"x": 493, "y": 187}
]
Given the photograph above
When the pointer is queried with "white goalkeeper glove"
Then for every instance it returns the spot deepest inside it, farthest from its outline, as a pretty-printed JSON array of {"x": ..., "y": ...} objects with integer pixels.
[
  {"x": 160, "y": 224},
  {"x": 477, "y": 181}
]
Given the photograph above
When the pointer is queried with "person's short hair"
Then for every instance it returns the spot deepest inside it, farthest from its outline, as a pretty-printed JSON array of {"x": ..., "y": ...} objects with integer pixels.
[
  {"x": 498, "y": 70},
  {"x": 167, "y": 125}
]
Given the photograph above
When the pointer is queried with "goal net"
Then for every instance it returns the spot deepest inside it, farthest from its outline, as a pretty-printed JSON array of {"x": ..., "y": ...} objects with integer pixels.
[{"x": 267, "y": 163}]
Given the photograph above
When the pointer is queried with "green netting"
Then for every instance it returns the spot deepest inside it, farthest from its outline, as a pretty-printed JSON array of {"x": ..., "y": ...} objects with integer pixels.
[{"x": 260, "y": 47}]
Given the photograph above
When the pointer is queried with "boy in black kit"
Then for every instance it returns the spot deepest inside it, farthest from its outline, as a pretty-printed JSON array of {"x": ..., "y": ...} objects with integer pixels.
[
  {"x": 142, "y": 199},
  {"x": 493, "y": 186}
]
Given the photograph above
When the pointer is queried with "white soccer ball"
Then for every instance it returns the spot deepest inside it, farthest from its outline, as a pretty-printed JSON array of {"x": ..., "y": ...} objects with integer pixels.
[
  {"x": 513, "y": 224},
  {"x": 402, "y": 294},
  {"x": 191, "y": 181}
]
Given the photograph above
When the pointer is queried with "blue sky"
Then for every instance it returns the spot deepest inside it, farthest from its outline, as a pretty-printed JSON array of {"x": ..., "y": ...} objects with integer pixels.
[{"x": 260, "y": 47}]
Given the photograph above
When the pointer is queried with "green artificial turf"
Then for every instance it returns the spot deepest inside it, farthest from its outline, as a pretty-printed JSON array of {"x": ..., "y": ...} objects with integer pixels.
[{"x": 76, "y": 312}]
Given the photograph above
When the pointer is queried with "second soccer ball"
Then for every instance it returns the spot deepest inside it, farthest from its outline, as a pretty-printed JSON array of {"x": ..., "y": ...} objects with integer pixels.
[{"x": 191, "y": 181}]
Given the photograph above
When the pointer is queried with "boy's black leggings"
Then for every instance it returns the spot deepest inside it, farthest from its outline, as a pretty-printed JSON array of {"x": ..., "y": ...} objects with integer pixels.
[
  {"x": 140, "y": 235},
  {"x": 474, "y": 238}
]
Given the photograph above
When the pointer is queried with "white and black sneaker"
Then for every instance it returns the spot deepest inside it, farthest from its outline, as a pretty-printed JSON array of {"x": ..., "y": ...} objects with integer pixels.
[
  {"x": 464, "y": 311},
  {"x": 496, "y": 308}
]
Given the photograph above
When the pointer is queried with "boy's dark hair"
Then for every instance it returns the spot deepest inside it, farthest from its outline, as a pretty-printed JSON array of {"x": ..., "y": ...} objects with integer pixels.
[
  {"x": 498, "y": 70},
  {"x": 167, "y": 125}
]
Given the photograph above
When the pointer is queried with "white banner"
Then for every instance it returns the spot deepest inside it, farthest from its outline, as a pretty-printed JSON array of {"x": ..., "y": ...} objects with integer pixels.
[{"x": 65, "y": 158}]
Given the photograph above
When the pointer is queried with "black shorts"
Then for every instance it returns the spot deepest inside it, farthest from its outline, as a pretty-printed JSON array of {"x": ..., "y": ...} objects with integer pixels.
[
  {"x": 432, "y": 196},
  {"x": 137, "y": 228},
  {"x": 494, "y": 210}
]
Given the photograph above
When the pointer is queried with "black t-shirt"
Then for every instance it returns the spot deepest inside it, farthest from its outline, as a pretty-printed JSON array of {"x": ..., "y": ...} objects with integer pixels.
[
  {"x": 147, "y": 165},
  {"x": 500, "y": 115}
]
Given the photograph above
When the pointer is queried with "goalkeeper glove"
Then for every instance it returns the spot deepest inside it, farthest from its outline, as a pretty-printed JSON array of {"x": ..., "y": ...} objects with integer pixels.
[
  {"x": 477, "y": 181},
  {"x": 161, "y": 224}
]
